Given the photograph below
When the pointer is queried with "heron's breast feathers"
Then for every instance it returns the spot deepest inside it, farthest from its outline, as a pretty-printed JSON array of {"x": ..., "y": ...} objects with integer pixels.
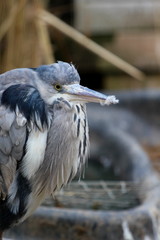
[{"x": 66, "y": 149}]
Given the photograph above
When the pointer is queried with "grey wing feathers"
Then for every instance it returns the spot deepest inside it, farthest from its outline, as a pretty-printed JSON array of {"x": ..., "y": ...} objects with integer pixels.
[
  {"x": 12, "y": 141},
  {"x": 16, "y": 76}
]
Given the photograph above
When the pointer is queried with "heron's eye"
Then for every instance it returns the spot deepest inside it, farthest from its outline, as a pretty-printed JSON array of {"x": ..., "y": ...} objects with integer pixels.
[{"x": 58, "y": 87}]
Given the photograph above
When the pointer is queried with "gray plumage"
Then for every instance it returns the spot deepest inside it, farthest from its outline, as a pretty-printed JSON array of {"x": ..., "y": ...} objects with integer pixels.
[{"x": 43, "y": 135}]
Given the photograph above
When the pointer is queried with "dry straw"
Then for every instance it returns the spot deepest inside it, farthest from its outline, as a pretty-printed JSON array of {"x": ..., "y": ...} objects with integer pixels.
[{"x": 26, "y": 38}]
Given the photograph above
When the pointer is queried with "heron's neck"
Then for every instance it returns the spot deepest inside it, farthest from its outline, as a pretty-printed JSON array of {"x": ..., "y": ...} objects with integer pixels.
[{"x": 66, "y": 150}]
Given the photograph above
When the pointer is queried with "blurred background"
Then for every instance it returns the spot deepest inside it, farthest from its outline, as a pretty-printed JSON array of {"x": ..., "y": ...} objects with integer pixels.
[
  {"x": 115, "y": 45},
  {"x": 129, "y": 29}
]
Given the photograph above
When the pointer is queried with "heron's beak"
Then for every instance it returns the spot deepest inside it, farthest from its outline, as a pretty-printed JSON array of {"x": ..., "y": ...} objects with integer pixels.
[{"x": 84, "y": 94}]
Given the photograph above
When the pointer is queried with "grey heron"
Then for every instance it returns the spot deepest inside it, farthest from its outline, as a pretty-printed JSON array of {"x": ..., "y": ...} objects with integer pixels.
[{"x": 43, "y": 135}]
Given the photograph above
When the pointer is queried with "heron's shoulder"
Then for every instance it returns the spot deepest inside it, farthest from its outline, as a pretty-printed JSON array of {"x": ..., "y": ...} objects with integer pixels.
[
  {"x": 27, "y": 100},
  {"x": 19, "y": 75}
]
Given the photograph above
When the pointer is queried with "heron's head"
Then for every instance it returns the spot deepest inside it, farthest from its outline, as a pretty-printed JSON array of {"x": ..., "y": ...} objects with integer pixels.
[{"x": 62, "y": 81}]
